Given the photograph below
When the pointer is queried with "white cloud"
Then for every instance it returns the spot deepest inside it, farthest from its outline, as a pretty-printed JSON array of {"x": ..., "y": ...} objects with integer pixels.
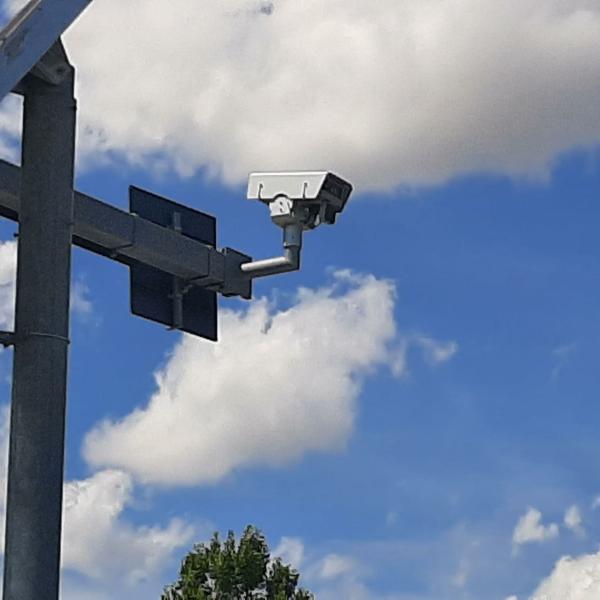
[
  {"x": 77, "y": 588},
  {"x": 573, "y": 520},
  {"x": 291, "y": 551},
  {"x": 4, "y": 440},
  {"x": 100, "y": 544},
  {"x": 384, "y": 92},
  {"x": 530, "y": 529},
  {"x": 10, "y": 128},
  {"x": 461, "y": 577},
  {"x": 436, "y": 352},
  {"x": 335, "y": 565},
  {"x": 351, "y": 589},
  {"x": 278, "y": 384},
  {"x": 8, "y": 269},
  {"x": 81, "y": 305},
  {"x": 572, "y": 579},
  {"x": 331, "y": 576},
  {"x": 97, "y": 541},
  {"x": 337, "y": 576},
  {"x": 70, "y": 591}
]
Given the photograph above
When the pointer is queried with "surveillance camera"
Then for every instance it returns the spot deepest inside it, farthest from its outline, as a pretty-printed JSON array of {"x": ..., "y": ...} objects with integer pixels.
[{"x": 304, "y": 198}]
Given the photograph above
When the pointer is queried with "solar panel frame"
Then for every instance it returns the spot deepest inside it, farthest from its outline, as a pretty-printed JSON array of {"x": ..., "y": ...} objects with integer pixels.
[{"x": 152, "y": 289}]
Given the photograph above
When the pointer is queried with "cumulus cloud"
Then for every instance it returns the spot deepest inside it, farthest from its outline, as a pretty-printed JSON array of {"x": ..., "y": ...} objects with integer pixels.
[
  {"x": 574, "y": 521},
  {"x": 530, "y": 529},
  {"x": 278, "y": 384},
  {"x": 97, "y": 541},
  {"x": 388, "y": 93},
  {"x": 572, "y": 579}
]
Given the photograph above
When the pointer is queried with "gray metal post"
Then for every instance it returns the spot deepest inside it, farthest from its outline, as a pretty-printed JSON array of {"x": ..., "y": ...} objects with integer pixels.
[{"x": 35, "y": 477}]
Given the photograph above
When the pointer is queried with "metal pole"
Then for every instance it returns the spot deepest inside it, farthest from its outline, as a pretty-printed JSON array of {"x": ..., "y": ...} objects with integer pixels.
[{"x": 35, "y": 476}]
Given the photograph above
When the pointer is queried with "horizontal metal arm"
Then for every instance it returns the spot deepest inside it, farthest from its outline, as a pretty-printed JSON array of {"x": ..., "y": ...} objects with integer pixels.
[
  {"x": 290, "y": 261},
  {"x": 126, "y": 238},
  {"x": 112, "y": 232}
]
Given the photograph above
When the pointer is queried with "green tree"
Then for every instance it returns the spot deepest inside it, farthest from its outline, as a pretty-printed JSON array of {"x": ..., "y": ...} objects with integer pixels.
[{"x": 235, "y": 571}]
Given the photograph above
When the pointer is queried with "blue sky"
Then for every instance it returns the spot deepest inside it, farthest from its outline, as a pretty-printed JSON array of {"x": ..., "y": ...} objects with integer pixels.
[{"x": 413, "y": 415}]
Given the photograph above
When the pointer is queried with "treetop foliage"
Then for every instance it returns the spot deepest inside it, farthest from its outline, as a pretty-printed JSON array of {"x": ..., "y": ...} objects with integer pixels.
[{"x": 235, "y": 571}]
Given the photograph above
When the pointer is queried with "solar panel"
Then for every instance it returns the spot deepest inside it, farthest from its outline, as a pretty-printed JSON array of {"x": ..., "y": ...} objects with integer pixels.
[{"x": 153, "y": 292}]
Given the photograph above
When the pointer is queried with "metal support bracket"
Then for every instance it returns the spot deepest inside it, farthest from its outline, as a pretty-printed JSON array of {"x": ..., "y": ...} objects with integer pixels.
[
  {"x": 54, "y": 66},
  {"x": 290, "y": 261},
  {"x": 29, "y": 38},
  {"x": 7, "y": 338},
  {"x": 234, "y": 283},
  {"x": 179, "y": 288}
]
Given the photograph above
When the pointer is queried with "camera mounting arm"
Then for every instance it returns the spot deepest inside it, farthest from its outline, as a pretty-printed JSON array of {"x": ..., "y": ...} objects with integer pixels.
[
  {"x": 297, "y": 202},
  {"x": 290, "y": 261}
]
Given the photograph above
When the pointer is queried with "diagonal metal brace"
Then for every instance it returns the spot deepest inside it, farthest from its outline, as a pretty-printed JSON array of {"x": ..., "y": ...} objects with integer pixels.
[{"x": 31, "y": 33}]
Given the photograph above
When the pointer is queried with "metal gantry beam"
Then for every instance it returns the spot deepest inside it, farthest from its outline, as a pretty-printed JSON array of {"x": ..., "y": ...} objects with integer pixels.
[{"x": 125, "y": 237}]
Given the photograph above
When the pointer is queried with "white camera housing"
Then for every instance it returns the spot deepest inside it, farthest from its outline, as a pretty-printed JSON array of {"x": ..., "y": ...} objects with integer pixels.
[{"x": 307, "y": 198}]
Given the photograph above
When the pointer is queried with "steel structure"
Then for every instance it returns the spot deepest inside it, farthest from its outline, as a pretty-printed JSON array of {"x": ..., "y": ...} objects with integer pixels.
[
  {"x": 30, "y": 35},
  {"x": 176, "y": 269}
]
